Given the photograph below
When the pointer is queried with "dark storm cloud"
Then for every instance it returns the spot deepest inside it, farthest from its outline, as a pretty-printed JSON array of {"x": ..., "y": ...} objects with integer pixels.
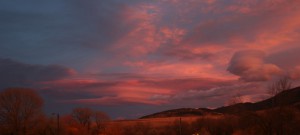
[{"x": 14, "y": 73}]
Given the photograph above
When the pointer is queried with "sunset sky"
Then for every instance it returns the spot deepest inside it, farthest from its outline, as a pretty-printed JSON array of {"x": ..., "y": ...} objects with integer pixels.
[{"x": 130, "y": 58}]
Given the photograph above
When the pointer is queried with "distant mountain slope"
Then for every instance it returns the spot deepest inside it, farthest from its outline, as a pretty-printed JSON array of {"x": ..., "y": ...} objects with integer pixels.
[
  {"x": 181, "y": 112},
  {"x": 285, "y": 98}
]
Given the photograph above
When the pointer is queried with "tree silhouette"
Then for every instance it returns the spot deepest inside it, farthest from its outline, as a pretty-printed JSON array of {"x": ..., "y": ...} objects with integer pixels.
[
  {"x": 280, "y": 85},
  {"x": 100, "y": 119},
  {"x": 20, "y": 109},
  {"x": 83, "y": 116},
  {"x": 277, "y": 87}
]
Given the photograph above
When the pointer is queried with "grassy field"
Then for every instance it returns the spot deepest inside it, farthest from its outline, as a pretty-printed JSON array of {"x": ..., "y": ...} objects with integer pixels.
[
  {"x": 152, "y": 125},
  {"x": 156, "y": 121}
]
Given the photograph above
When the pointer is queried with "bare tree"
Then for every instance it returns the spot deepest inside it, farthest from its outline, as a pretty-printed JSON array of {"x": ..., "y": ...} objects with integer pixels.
[
  {"x": 20, "y": 108},
  {"x": 279, "y": 86},
  {"x": 83, "y": 116},
  {"x": 101, "y": 120}
]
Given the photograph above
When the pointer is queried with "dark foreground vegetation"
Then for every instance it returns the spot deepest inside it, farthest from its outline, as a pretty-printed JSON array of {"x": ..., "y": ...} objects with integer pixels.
[
  {"x": 21, "y": 114},
  {"x": 276, "y": 121}
]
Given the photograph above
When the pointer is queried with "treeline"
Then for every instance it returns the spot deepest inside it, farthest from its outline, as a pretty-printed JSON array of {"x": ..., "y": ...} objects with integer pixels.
[{"x": 21, "y": 114}]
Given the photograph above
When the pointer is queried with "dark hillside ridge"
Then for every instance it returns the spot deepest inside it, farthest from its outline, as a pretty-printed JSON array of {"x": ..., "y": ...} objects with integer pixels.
[
  {"x": 286, "y": 98},
  {"x": 182, "y": 112}
]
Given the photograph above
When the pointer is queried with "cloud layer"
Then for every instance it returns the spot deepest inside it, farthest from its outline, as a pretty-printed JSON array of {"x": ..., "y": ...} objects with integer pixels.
[
  {"x": 160, "y": 54},
  {"x": 14, "y": 73}
]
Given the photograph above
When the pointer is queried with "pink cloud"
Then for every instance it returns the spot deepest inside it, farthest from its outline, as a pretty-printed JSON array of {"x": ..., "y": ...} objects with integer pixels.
[
  {"x": 181, "y": 69},
  {"x": 116, "y": 101},
  {"x": 174, "y": 53},
  {"x": 295, "y": 73},
  {"x": 250, "y": 66},
  {"x": 142, "y": 38},
  {"x": 173, "y": 47},
  {"x": 180, "y": 54},
  {"x": 142, "y": 91}
]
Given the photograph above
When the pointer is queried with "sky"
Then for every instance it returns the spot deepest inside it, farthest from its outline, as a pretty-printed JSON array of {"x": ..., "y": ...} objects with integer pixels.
[{"x": 136, "y": 57}]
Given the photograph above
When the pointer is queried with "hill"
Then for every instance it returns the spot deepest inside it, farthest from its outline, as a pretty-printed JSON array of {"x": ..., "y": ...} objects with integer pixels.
[
  {"x": 286, "y": 98},
  {"x": 181, "y": 112}
]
